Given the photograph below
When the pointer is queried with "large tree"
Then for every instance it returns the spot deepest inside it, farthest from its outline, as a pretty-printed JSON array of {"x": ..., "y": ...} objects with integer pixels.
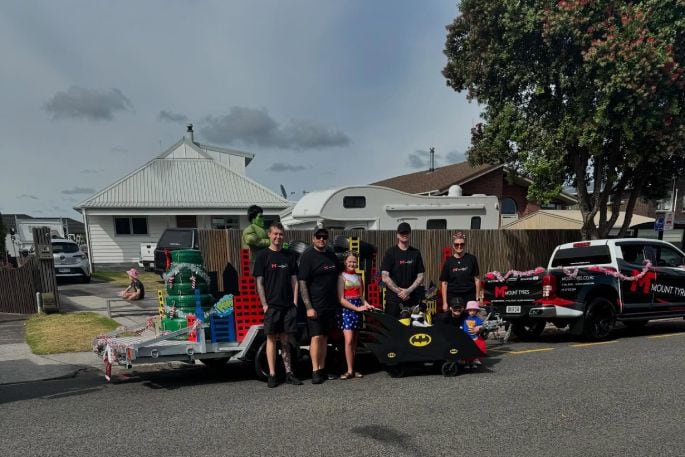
[{"x": 588, "y": 93}]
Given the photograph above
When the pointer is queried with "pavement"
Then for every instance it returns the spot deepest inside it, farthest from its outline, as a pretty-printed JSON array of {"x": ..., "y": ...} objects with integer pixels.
[{"x": 19, "y": 365}]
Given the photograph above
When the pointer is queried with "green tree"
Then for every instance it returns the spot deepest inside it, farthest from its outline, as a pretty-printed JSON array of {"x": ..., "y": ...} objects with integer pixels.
[{"x": 589, "y": 93}]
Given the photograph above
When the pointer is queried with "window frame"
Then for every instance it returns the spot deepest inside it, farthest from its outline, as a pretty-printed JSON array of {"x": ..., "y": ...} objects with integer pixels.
[
  {"x": 131, "y": 231},
  {"x": 443, "y": 224},
  {"x": 354, "y": 198}
]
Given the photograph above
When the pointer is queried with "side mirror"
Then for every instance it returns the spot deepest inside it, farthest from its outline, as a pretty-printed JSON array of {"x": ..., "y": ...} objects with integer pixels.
[{"x": 13, "y": 231}]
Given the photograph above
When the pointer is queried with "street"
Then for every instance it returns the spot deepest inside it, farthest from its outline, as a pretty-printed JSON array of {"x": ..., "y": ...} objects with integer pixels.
[{"x": 620, "y": 397}]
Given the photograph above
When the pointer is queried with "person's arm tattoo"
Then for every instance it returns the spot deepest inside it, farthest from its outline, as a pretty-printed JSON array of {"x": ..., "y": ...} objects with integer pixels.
[
  {"x": 389, "y": 283},
  {"x": 305, "y": 294},
  {"x": 260, "y": 291},
  {"x": 417, "y": 282}
]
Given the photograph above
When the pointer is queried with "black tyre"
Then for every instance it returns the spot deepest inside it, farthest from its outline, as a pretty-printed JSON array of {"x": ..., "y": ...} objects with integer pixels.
[
  {"x": 85, "y": 279},
  {"x": 215, "y": 363},
  {"x": 528, "y": 329},
  {"x": 396, "y": 371},
  {"x": 600, "y": 318},
  {"x": 635, "y": 325},
  {"x": 450, "y": 369}
]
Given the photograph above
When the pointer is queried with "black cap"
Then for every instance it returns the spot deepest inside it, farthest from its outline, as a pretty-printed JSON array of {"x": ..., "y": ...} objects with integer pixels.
[
  {"x": 404, "y": 227},
  {"x": 318, "y": 230}
]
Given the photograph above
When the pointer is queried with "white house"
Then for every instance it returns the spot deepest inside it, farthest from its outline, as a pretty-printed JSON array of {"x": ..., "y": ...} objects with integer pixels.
[{"x": 188, "y": 185}]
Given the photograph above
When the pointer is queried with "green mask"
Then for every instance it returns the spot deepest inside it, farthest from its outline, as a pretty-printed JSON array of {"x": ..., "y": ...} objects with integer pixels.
[{"x": 258, "y": 221}]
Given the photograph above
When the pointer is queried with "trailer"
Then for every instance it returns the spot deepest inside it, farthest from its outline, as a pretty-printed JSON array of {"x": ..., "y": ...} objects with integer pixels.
[{"x": 381, "y": 208}]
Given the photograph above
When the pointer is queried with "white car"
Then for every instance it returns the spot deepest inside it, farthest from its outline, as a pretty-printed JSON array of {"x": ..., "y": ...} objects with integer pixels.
[{"x": 70, "y": 262}]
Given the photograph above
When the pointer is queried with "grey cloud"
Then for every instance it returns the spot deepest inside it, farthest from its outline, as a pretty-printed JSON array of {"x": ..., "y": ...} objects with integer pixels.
[
  {"x": 280, "y": 167},
  {"x": 117, "y": 149},
  {"x": 32, "y": 197},
  {"x": 455, "y": 157},
  {"x": 89, "y": 171},
  {"x": 256, "y": 127},
  {"x": 78, "y": 190},
  {"x": 89, "y": 104},
  {"x": 169, "y": 116},
  {"x": 421, "y": 159}
]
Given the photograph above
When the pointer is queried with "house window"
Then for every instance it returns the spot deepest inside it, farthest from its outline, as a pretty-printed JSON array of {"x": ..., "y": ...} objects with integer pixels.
[
  {"x": 436, "y": 224},
  {"x": 354, "y": 202},
  {"x": 475, "y": 223},
  {"x": 130, "y": 225},
  {"x": 509, "y": 207},
  {"x": 225, "y": 222}
]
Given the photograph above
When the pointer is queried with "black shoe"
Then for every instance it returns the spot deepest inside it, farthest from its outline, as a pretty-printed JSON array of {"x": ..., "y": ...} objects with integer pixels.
[
  {"x": 272, "y": 382},
  {"x": 317, "y": 377},
  {"x": 291, "y": 379}
]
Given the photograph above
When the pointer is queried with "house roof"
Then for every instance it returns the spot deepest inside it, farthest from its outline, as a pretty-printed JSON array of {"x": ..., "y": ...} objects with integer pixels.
[
  {"x": 565, "y": 219},
  {"x": 184, "y": 183},
  {"x": 440, "y": 179}
]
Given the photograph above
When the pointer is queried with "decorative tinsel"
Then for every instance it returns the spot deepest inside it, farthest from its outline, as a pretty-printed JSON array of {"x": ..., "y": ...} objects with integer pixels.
[
  {"x": 513, "y": 273},
  {"x": 176, "y": 268},
  {"x": 573, "y": 272}
]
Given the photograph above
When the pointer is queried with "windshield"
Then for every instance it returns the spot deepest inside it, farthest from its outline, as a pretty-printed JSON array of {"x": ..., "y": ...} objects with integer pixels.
[
  {"x": 176, "y": 239},
  {"x": 64, "y": 248}
]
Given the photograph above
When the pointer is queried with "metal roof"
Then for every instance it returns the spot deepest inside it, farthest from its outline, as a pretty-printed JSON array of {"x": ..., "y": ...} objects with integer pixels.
[{"x": 184, "y": 183}]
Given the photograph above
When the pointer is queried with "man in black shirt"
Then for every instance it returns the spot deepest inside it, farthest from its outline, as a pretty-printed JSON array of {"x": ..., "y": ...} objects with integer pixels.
[
  {"x": 459, "y": 276},
  {"x": 276, "y": 272},
  {"x": 318, "y": 278},
  {"x": 402, "y": 272}
]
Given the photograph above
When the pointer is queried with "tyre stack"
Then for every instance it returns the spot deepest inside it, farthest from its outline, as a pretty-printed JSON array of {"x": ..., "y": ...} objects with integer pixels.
[{"x": 186, "y": 275}]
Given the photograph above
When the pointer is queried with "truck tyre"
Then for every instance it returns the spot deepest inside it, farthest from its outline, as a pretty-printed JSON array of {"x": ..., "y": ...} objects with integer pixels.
[
  {"x": 528, "y": 329},
  {"x": 600, "y": 318}
]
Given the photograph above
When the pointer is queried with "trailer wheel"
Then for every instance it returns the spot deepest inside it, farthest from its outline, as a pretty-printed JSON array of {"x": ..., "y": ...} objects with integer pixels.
[
  {"x": 528, "y": 329},
  {"x": 450, "y": 369},
  {"x": 215, "y": 363},
  {"x": 599, "y": 319},
  {"x": 396, "y": 371}
]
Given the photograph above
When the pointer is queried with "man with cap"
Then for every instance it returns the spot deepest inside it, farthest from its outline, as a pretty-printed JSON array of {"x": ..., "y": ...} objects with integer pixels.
[
  {"x": 402, "y": 272},
  {"x": 318, "y": 280}
]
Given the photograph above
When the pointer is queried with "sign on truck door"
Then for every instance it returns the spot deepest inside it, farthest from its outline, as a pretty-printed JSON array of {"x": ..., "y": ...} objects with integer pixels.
[
  {"x": 668, "y": 288},
  {"x": 636, "y": 295}
]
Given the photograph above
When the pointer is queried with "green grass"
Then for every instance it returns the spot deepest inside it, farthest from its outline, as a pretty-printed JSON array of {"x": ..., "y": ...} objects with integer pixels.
[
  {"x": 72, "y": 332},
  {"x": 150, "y": 280}
]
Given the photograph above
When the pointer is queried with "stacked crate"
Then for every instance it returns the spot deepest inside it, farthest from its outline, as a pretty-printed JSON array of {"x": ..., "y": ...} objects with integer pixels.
[
  {"x": 373, "y": 290},
  {"x": 247, "y": 308}
]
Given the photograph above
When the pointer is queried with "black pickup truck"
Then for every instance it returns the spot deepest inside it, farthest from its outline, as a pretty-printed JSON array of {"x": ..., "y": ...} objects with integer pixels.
[{"x": 590, "y": 285}]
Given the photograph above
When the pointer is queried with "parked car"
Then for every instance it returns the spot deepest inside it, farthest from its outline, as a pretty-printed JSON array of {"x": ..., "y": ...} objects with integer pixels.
[
  {"x": 171, "y": 240},
  {"x": 69, "y": 261}
]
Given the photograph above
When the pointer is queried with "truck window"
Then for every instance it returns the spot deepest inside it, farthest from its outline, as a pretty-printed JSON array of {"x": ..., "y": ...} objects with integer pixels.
[
  {"x": 354, "y": 202},
  {"x": 667, "y": 257},
  {"x": 176, "y": 239},
  {"x": 475, "y": 223},
  {"x": 589, "y": 255},
  {"x": 632, "y": 253},
  {"x": 436, "y": 224}
]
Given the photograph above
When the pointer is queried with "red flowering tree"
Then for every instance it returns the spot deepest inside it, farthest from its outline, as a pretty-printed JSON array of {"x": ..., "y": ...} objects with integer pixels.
[{"x": 589, "y": 93}]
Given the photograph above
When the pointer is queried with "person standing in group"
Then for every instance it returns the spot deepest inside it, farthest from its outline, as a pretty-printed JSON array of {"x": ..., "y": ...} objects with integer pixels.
[
  {"x": 351, "y": 295},
  {"x": 402, "y": 272},
  {"x": 459, "y": 276},
  {"x": 275, "y": 270},
  {"x": 318, "y": 279}
]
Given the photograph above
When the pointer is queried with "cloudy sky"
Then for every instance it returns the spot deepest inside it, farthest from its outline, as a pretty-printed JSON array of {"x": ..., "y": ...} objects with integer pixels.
[{"x": 324, "y": 93}]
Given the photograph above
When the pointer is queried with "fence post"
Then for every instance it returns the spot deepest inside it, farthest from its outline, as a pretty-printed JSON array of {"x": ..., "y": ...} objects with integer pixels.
[{"x": 46, "y": 264}]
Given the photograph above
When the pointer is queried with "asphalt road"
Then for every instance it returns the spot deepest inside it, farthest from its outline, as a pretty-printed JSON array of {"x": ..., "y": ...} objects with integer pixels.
[{"x": 555, "y": 397}]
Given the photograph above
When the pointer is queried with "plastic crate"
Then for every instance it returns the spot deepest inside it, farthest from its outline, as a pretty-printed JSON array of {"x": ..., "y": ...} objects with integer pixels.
[
  {"x": 245, "y": 262},
  {"x": 248, "y": 311},
  {"x": 222, "y": 329},
  {"x": 247, "y": 285},
  {"x": 446, "y": 253}
]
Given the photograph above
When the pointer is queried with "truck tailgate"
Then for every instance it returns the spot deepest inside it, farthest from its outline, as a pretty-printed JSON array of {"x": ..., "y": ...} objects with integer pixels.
[{"x": 514, "y": 297}]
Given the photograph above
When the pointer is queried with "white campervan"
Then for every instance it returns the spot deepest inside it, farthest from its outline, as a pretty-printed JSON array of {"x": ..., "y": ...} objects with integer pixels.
[{"x": 381, "y": 208}]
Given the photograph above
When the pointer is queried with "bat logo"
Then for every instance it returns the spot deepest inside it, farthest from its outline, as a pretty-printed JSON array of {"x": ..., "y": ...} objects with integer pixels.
[
  {"x": 391, "y": 355},
  {"x": 453, "y": 351},
  {"x": 420, "y": 340}
]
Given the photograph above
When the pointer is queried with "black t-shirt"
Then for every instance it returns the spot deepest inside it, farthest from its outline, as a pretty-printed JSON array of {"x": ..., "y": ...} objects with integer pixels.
[
  {"x": 319, "y": 270},
  {"x": 459, "y": 274},
  {"x": 403, "y": 267},
  {"x": 137, "y": 285},
  {"x": 276, "y": 267}
]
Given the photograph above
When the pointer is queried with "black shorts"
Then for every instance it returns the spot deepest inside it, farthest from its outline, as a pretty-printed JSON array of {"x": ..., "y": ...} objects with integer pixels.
[
  {"x": 280, "y": 320},
  {"x": 324, "y": 323}
]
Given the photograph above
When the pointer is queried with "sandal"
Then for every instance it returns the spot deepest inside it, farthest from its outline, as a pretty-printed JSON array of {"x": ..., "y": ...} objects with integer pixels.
[
  {"x": 358, "y": 374},
  {"x": 345, "y": 376}
]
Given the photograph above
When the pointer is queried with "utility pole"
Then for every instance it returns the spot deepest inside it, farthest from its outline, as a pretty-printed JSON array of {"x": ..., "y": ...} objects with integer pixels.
[{"x": 432, "y": 159}]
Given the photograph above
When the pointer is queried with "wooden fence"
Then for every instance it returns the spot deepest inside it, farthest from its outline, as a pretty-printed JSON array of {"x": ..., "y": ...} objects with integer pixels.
[
  {"x": 496, "y": 250},
  {"x": 18, "y": 288}
]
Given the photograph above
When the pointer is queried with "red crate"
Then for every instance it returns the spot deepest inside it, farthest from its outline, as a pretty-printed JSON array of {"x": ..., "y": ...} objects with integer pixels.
[
  {"x": 248, "y": 311},
  {"x": 247, "y": 285},
  {"x": 446, "y": 253},
  {"x": 245, "y": 262}
]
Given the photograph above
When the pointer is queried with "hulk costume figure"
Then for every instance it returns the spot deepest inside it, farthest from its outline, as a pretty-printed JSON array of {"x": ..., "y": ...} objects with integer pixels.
[{"x": 254, "y": 236}]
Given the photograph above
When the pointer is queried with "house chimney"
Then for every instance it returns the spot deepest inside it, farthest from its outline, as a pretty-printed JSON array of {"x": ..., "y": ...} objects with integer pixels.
[
  {"x": 189, "y": 133},
  {"x": 432, "y": 160}
]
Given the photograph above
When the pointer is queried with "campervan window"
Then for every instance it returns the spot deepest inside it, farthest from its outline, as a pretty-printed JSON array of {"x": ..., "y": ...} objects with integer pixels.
[
  {"x": 475, "y": 223},
  {"x": 436, "y": 224},
  {"x": 354, "y": 201}
]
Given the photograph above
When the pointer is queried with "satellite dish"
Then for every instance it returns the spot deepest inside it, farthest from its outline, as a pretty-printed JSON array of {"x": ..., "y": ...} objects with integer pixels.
[{"x": 283, "y": 192}]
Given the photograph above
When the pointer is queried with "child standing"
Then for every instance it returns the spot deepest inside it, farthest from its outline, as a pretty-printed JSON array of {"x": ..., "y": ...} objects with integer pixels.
[{"x": 473, "y": 326}]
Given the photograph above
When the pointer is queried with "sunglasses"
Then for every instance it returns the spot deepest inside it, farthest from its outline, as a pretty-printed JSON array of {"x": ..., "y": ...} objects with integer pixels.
[
  {"x": 459, "y": 245},
  {"x": 321, "y": 237}
]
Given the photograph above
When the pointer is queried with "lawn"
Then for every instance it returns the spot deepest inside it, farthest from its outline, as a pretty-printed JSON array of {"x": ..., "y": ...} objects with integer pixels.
[
  {"x": 150, "y": 280},
  {"x": 72, "y": 332}
]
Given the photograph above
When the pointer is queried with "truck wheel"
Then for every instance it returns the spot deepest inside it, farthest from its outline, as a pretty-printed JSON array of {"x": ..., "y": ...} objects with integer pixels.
[
  {"x": 528, "y": 329},
  {"x": 600, "y": 318}
]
